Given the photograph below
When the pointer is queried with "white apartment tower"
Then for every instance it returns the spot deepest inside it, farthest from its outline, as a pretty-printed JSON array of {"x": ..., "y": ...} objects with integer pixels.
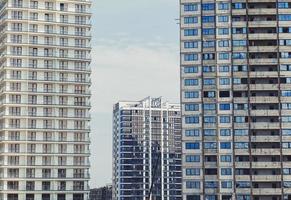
[
  {"x": 236, "y": 99},
  {"x": 44, "y": 97},
  {"x": 146, "y": 150}
]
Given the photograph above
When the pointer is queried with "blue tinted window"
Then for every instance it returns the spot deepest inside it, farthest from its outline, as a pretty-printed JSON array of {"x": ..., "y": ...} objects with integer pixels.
[
  {"x": 208, "y": 19},
  {"x": 208, "y": 31},
  {"x": 224, "y": 68},
  {"x": 223, "y": 18},
  {"x": 225, "y": 158},
  {"x": 210, "y": 145},
  {"x": 194, "y": 145},
  {"x": 190, "y": 44},
  {"x": 192, "y": 158},
  {"x": 226, "y": 184},
  {"x": 191, "y": 107},
  {"x": 238, "y": 5},
  {"x": 192, "y": 132},
  {"x": 190, "y": 32},
  {"x": 223, "y": 31},
  {"x": 239, "y": 55},
  {"x": 190, "y": 57},
  {"x": 224, "y": 106},
  {"x": 209, "y": 106},
  {"x": 239, "y": 43},
  {"x": 209, "y": 81},
  {"x": 209, "y": 132},
  {"x": 190, "y": 82},
  {"x": 241, "y": 145},
  {"x": 223, "y": 56},
  {"x": 190, "y": 20},
  {"x": 209, "y": 119},
  {"x": 192, "y": 171},
  {"x": 192, "y": 120},
  {"x": 225, "y": 145},
  {"x": 208, "y": 6},
  {"x": 192, "y": 69},
  {"x": 225, "y": 132},
  {"x": 190, "y": 7},
  {"x": 284, "y": 17},
  {"x": 224, "y": 119},
  {"x": 208, "y": 44},
  {"x": 223, "y": 43},
  {"x": 192, "y": 184},
  {"x": 226, "y": 171},
  {"x": 192, "y": 94},
  {"x": 223, "y": 6}
]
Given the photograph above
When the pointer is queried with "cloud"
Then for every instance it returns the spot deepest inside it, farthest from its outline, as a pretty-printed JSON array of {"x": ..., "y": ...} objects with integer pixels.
[{"x": 126, "y": 69}]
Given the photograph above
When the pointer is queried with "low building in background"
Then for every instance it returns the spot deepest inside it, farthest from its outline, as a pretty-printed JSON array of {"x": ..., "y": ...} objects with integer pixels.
[
  {"x": 146, "y": 150},
  {"x": 102, "y": 193}
]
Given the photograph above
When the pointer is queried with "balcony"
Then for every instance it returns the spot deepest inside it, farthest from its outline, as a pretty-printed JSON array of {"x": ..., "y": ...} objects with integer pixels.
[
  {"x": 267, "y": 191},
  {"x": 268, "y": 151},
  {"x": 265, "y": 138},
  {"x": 264, "y": 125},
  {"x": 264, "y": 87},
  {"x": 263, "y": 74},
  {"x": 264, "y": 112},
  {"x": 266, "y": 165},
  {"x": 267, "y": 178},
  {"x": 262, "y": 11},
  {"x": 264, "y": 99},
  {"x": 261, "y": 36}
]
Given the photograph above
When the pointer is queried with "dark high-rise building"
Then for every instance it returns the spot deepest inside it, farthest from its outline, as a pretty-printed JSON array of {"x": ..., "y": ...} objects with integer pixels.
[{"x": 102, "y": 193}]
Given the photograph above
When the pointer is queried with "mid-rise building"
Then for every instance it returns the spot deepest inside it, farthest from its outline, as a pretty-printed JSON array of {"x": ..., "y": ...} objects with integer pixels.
[
  {"x": 44, "y": 119},
  {"x": 236, "y": 99},
  {"x": 146, "y": 150}
]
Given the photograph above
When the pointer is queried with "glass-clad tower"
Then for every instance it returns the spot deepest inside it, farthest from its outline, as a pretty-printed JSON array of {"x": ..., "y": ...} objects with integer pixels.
[
  {"x": 146, "y": 150},
  {"x": 44, "y": 99},
  {"x": 236, "y": 99}
]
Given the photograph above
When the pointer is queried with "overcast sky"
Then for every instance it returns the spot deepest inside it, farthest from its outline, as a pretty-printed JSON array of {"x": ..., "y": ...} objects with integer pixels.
[{"x": 135, "y": 54}]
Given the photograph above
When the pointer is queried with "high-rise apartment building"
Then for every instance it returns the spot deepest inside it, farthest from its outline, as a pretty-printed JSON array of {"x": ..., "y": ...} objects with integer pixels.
[
  {"x": 45, "y": 79},
  {"x": 236, "y": 99},
  {"x": 146, "y": 150}
]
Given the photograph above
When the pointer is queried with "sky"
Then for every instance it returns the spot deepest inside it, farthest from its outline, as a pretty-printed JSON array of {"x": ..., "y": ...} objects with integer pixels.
[{"x": 135, "y": 54}]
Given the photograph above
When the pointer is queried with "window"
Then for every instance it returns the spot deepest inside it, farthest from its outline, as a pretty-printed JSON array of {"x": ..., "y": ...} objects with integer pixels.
[
  {"x": 192, "y": 184},
  {"x": 223, "y": 31},
  {"x": 241, "y": 132},
  {"x": 190, "y": 57},
  {"x": 192, "y": 120},
  {"x": 226, "y": 184},
  {"x": 209, "y": 81},
  {"x": 225, "y": 158},
  {"x": 191, "y": 107},
  {"x": 209, "y": 132},
  {"x": 208, "y": 68},
  {"x": 191, "y": 95},
  {"x": 238, "y": 5},
  {"x": 285, "y": 17},
  {"x": 190, "y": 32},
  {"x": 190, "y": 44},
  {"x": 210, "y": 184},
  {"x": 191, "y": 69},
  {"x": 223, "y": 6},
  {"x": 210, "y": 145},
  {"x": 239, "y": 55},
  {"x": 225, "y": 132},
  {"x": 224, "y": 68},
  {"x": 239, "y": 119},
  {"x": 286, "y": 145},
  {"x": 209, "y": 94},
  {"x": 190, "y": 82},
  {"x": 239, "y": 30},
  {"x": 286, "y": 119},
  {"x": 192, "y": 132},
  {"x": 208, "y": 56},
  {"x": 286, "y": 106},
  {"x": 190, "y": 20},
  {"x": 223, "y": 56},
  {"x": 208, "y": 31},
  {"x": 208, "y": 19},
  {"x": 222, "y": 18},
  {"x": 192, "y": 158},
  {"x": 224, "y": 106},
  {"x": 208, "y": 6},
  {"x": 209, "y": 119},
  {"x": 190, "y": 7},
  {"x": 192, "y": 171},
  {"x": 224, "y": 119},
  {"x": 286, "y": 93},
  {"x": 223, "y": 43},
  {"x": 241, "y": 145},
  {"x": 209, "y": 106},
  {"x": 286, "y": 171},
  {"x": 239, "y": 43},
  {"x": 225, "y": 145},
  {"x": 226, "y": 171},
  {"x": 194, "y": 145},
  {"x": 286, "y": 132},
  {"x": 208, "y": 44}
]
